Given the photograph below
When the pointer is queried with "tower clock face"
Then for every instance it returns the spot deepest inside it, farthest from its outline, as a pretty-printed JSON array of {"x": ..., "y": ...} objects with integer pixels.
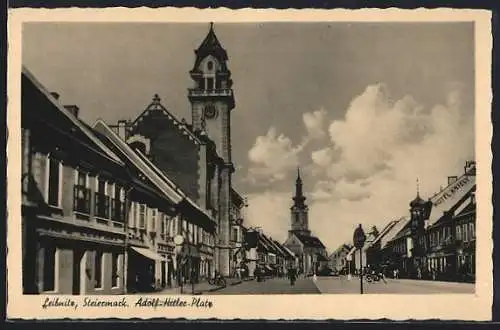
[{"x": 210, "y": 111}]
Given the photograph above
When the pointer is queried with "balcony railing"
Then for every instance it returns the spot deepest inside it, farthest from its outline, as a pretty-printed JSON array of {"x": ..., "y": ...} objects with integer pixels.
[{"x": 210, "y": 92}]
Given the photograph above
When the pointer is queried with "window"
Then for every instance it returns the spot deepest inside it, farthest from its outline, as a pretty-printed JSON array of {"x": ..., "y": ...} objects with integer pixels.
[
  {"x": 195, "y": 234},
  {"x": 210, "y": 84},
  {"x": 191, "y": 232},
  {"x": 101, "y": 199},
  {"x": 163, "y": 225},
  {"x": 472, "y": 230},
  {"x": 49, "y": 267},
  {"x": 210, "y": 65},
  {"x": 81, "y": 193},
  {"x": 465, "y": 232},
  {"x": 114, "y": 269},
  {"x": 118, "y": 205},
  {"x": 132, "y": 215},
  {"x": 459, "y": 232},
  {"x": 234, "y": 234},
  {"x": 142, "y": 215},
  {"x": 184, "y": 229},
  {"x": 152, "y": 220},
  {"x": 175, "y": 226},
  {"x": 98, "y": 268},
  {"x": 170, "y": 226},
  {"x": 54, "y": 181}
]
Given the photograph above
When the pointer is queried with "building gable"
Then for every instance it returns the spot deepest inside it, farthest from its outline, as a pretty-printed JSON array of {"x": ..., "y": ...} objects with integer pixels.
[
  {"x": 293, "y": 243},
  {"x": 173, "y": 148}
]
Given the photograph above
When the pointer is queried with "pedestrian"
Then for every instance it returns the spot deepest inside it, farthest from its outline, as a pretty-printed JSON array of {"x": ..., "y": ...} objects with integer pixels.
[{"x": 382, "y": 276}]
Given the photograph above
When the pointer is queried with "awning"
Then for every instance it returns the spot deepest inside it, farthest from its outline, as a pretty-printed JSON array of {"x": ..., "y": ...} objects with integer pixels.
[{"x": 148, "y": 253}]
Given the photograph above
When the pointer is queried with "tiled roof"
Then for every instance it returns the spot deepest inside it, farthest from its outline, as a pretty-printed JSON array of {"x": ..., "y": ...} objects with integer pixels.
[
  {"x": 471, "y": 207},
  {"x": 394, "y": 231},
  {"x": 310, "y": 241}
]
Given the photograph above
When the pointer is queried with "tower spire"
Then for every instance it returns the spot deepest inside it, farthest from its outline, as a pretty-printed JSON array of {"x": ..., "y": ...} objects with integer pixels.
[
  {"x": 299, "y": 209},
  {"x": 299, "y": 195},
  {"x": 418, "y": 188}
]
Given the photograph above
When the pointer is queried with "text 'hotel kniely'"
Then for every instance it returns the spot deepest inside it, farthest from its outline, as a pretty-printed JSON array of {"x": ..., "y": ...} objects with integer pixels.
[{"x": 101, "y": 204}]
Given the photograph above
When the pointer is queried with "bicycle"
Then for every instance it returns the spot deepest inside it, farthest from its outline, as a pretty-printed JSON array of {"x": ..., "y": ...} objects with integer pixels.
[{"x": 218, "y": 280}]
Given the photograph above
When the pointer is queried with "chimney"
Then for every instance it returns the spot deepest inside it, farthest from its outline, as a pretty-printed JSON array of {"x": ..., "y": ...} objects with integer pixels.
[
  {"x": 73, "y": 109},
  {"x": 55, "y": 95},
  {"x": 470, "y": 167},
  {"x": 452, "y": 179},
  {"x": 122, "y": 129}
]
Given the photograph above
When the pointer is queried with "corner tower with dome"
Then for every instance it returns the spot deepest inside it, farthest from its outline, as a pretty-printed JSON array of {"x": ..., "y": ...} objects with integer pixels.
[{"x": 310, "y": 252}]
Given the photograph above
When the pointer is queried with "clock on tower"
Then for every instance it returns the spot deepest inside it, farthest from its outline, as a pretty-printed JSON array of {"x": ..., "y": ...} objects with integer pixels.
[{"x": 210, "y": 111}]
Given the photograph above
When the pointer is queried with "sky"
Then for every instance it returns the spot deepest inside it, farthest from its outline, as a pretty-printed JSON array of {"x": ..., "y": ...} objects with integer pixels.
[{"x": 363, "y": 108}]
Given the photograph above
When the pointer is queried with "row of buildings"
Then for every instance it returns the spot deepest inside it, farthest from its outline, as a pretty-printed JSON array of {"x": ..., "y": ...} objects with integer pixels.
[
  {"x": 137, "y": 205},
  {"x": 436, "y": 240}
]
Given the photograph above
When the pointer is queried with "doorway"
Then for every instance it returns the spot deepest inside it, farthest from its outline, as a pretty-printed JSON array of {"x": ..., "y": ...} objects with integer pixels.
[{"x": 77, "y": 266}]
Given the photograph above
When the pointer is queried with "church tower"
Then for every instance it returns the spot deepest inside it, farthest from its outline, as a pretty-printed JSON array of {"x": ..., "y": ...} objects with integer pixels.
[
  {"x": 211, "y": 101},
  {"x": 299, "y": 210}
]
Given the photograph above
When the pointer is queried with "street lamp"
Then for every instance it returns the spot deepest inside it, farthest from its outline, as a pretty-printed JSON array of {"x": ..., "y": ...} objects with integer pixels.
[
  {"x": 179, "y": 240},
  {"x": 359, "y": 239},
  {"x": 348, "y": 259}
]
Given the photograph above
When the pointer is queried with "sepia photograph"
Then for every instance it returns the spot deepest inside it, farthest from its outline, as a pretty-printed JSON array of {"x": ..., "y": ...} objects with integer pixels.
[{"x": 215, "y": 158}]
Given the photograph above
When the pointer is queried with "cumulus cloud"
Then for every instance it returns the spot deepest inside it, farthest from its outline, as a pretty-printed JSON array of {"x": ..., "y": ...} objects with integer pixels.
[
  {"x": 272, "y": 156},
  {"x": 315, "y": 123},
  {"x": 384, "y": 146},
  {"x": 366, "y": 171}
]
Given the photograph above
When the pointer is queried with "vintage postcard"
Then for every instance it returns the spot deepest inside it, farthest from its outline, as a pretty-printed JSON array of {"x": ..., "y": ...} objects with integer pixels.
[{"x": 249, "y": 164}]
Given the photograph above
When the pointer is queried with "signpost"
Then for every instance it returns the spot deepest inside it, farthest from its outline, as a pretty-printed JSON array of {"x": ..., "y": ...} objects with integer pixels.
[{"x": 359, "y": 241}]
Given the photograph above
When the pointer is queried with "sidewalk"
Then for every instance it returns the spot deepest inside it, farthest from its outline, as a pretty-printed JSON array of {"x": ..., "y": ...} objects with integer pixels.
[
  {"x": 199, "y": 288},
  {"x": 441, "y": 283},
  {"x": 416, "y": 281}
]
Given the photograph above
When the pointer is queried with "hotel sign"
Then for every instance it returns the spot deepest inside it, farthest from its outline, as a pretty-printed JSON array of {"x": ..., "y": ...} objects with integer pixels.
[{"x": 451, "y": 192}]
